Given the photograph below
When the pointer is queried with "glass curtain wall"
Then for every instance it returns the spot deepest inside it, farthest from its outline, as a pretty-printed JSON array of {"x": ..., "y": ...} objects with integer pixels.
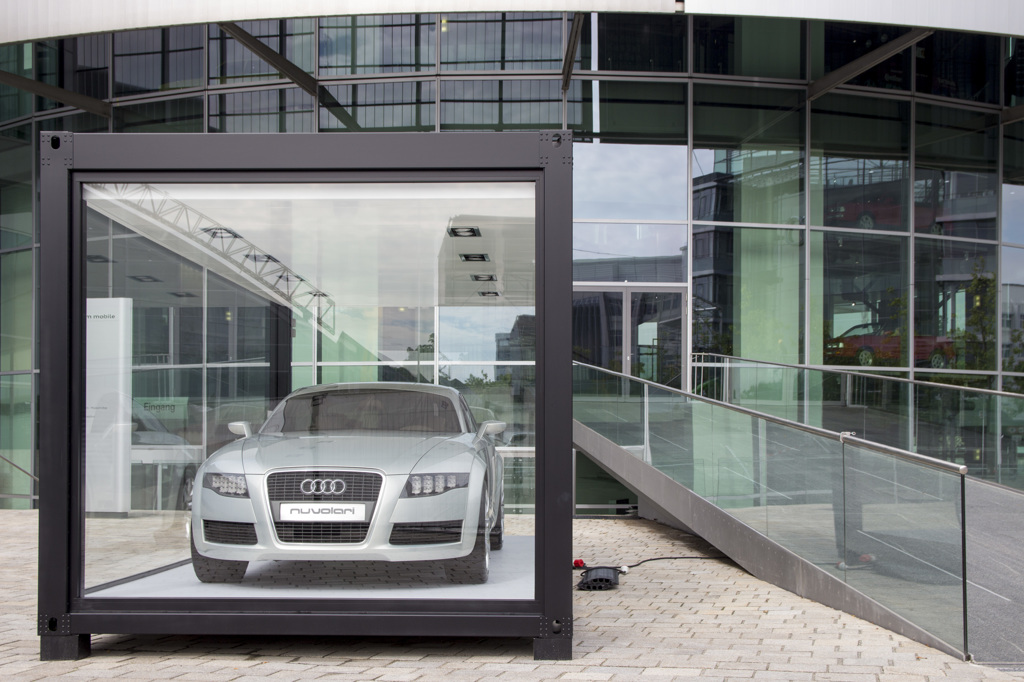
[{"x": 696, "y": 163}]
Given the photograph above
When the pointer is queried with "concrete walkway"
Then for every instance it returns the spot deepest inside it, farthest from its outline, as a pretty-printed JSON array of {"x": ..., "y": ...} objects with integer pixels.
[{"x": 699, "y": 617}]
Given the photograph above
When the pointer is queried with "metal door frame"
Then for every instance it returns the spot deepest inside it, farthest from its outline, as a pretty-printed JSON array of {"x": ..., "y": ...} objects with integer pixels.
[{"x": 627, "y": 288}]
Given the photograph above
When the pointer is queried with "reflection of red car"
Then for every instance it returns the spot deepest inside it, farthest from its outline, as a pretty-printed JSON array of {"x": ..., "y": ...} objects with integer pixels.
[
  {"x": 884, "y": 210},
  {"x": 872, "y": 344}
]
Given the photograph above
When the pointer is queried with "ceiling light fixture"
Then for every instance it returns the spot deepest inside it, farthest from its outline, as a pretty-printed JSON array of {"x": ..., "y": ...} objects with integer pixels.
[
  {"x": 474, "y": 257},
  {"x": 96, "y": 258},
  {"x": 484, "y": 278},
  {"x": 464, "y": 231},
  {"x": 489, "y": 294},
  {"x": 144, "y": 278},
  {"x": 183, "y": 294}
]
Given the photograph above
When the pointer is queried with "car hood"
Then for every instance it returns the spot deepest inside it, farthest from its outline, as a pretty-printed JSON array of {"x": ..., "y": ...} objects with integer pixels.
[{"x": 393, "y": 454}]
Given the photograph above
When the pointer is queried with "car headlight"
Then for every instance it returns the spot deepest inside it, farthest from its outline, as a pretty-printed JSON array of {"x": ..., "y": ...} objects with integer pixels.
[
  {"x": 228, "y": 485},
  {"x": 422, "y": 485}
]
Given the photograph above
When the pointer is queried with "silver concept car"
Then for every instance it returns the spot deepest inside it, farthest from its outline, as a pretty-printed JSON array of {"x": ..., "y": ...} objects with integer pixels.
[{"x": 359, "y": 471}]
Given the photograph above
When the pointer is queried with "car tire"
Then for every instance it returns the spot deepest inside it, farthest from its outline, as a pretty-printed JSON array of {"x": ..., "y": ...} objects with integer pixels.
[
  {"x": 474, "y": 568},
  {"x": 937, "y": 360},
  {"x": 498, "y": 531},
  {"x": 188, "y": 481},
  {"x": 216, "y": 570},
  {"x": 865, "y": 221},
  {"x": 865, "y": 357}
]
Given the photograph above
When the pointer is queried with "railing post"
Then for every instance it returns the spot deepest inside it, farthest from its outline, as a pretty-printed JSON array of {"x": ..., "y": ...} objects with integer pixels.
[
  {"x": 963, "y": 551},
  {"x": 647, "y": 424}
]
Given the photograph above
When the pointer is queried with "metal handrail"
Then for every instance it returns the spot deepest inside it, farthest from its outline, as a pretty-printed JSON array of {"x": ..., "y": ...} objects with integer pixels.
[
  {"x": 844, "y": 437},
  {"x": 929, "y": 384}
]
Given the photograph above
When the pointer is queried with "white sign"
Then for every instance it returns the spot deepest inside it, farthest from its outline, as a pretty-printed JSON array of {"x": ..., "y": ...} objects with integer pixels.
[
  {"x": 323, "y": 511},
  {"x": 108, "y": 404}
]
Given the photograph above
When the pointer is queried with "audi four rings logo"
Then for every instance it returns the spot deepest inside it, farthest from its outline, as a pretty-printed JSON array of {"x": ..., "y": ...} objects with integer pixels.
[{"x": 322, "y": 486}]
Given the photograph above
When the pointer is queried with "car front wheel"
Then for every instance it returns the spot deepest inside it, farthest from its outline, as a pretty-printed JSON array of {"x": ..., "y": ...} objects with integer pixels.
[
  {"x": 473, "y": 568},
  {"x": 865, "y": 357},
  {"x": 216, "y": 570}
]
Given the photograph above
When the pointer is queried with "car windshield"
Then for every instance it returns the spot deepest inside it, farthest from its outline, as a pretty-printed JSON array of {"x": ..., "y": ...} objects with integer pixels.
[{"x": 364, "y": 410}]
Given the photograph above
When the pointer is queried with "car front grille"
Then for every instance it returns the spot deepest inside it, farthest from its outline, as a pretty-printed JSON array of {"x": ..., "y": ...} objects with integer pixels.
[
  {"x": 429, "y": 533},
  {"x": 229, "y": 532},
  {"x": 325, "y": 533},
  {"x": 360, "y": 486}
]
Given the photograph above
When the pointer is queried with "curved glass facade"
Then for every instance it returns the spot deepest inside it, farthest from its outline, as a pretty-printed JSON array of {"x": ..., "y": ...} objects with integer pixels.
[{"x": 877, "y": 225}]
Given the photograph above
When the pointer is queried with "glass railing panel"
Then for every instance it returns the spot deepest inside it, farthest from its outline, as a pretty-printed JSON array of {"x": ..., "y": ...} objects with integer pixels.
[
  {"x": 804, "y": 492},
  {"x": 736, "y": 478},
  {"x": 994, "y": 575},
  {"x": 671, "y": 421},
  {"x": 770, "y": 389},
  {"x": 903, "y": 539},
  {"x": 954, "y": 420},
  {"x": 610, "y": 405},
  {"x": 875, "y": 408}
]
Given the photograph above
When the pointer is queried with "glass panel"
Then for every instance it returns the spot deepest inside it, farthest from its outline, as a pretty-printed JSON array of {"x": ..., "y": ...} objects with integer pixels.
[
  {"x": 860, "y": 288},
  {"x": 860, "y": 163},
  {"x": 16, "y": 427},
  {"x": 265, "y": 111},
  {"x": 1012, "y": 327},
  {"x": 747, "y": 292},
  {"x": 955, "y": 180},
  {"x": 158, "y": 59},
  {"x": 658, "y": 337},
  {"x": 481, "y": 334},
  {"x": 1012, "y": 214},
  {"x": 370, "y": 334},
  {"x": 652, "y": 112},
  {"x": 16, "y": 310},
  {"x": 1014, "y": 72},
  {"x": 836, "y": 44},
  {"x": 747, "y": 159},
  {"x": 376, "y": 44},
  {"x": 990, "y": 586},
  {"x": 611, "y": 406},
  {"x": 749, "y": 46},
  {"x": 629, "y": 182},
  {"x": 506, "y": 41},
  {"x": 597, "y": 329},
  {"x": 17, "y": 59},
  {"x": 873, "y": 407},
  {"x": 81, "y": 65},
  {"x": 379, "y": 106},
  {"x": 499, "y": 392},
  {"x": 76, "y": 123},
  {"x": 189, "y": 336},
  {"x": 903, "y": 545},
  {"x": 171, "y": 116},
  {"x": 501, "y": 105},
  {"x": 955, "y": 303},
  {"x": 804, "y": 492},
  {"x": 625, "y": 252},
  {"x": 417, "y": 373},
  {"x": 957, "y": 426},
  {"x": 16, "y": 164},
  {"x": 232, "y": 62},
  {"x": 635, "y": 42},
  {"x": 960, "y": 65}
]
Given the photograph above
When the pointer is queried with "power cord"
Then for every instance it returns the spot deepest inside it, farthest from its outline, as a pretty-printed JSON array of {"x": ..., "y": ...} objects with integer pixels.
[{"x": 596, "y": 578}]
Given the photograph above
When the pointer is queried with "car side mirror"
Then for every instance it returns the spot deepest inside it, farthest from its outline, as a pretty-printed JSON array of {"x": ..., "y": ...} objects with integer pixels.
[
  {"x": 491, "y": 428},
  {"x": 240, "y": 429}
]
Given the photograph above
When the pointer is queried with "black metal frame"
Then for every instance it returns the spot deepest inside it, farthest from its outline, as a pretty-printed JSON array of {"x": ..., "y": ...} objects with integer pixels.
[{"x": 66, "y": 617}]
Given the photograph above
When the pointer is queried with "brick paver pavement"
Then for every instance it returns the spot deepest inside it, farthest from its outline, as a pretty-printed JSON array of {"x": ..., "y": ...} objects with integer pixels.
[{"x": 698, "y": 618}]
